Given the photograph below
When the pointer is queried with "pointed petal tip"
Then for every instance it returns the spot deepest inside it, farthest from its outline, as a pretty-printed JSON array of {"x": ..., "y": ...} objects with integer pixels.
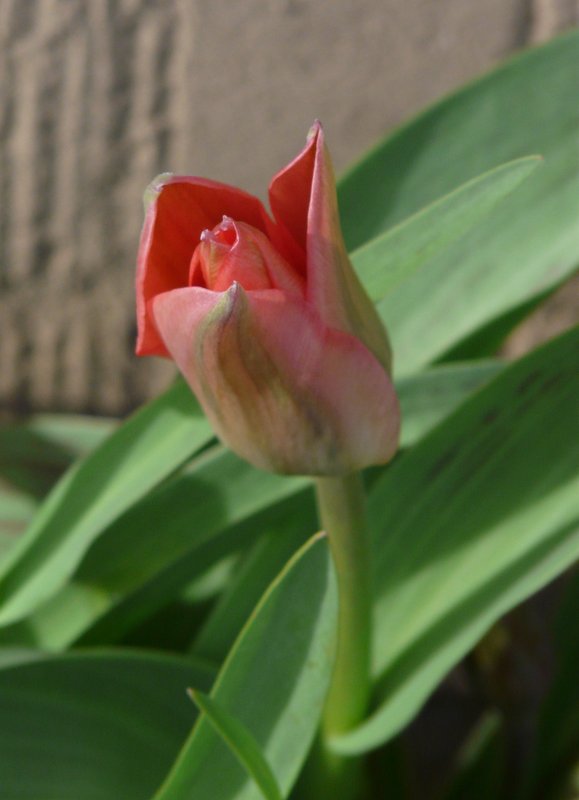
[
  {"x": 317, "y": 129},
  {"x": 154, "y": 188},
  {"x": 235, "y": 293}
]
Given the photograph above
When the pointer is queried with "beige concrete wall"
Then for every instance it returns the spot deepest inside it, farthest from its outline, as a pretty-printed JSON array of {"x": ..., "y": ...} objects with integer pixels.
[{"x": 98, "y": 96}]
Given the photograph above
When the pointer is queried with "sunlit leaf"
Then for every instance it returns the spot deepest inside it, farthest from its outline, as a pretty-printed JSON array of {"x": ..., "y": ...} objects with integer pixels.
[
  {"x": 527, "y": 246},
  {"x": 477, "y": 517},
  {"x": 391, "y": 258},
  {"x": 140, "y": 454},
  {"x": 273, "y": 682}
]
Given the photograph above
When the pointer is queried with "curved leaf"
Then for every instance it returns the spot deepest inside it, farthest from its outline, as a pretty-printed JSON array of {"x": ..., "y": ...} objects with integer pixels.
[
  {"x": 241, "y": 743},
  {"x": 430, "y": 396},
  {"x": 478, "y": 516},
  {"x": 154, "y": 442},
  {"x": 390, "y": 259},
  {"x": 150, "y": 554},
  {"x": 521, "y": 250},
  {"x": 94, "y": 726},
  {"x": 274, "y": 682},
  {"x": 281, "y": 537},
  {"x": 145, "y": 558}
]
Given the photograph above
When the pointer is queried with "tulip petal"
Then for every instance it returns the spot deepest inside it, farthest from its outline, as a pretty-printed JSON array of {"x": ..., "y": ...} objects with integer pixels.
[
  {"x": 179, "y": 209},
  {"x": 342, "y": 389},
  {"x": 280, "y": 389},
  {"x": 235, "y": 251},
  {"x": 290, "y": 190},
  {"x": 304, "y": 201}
]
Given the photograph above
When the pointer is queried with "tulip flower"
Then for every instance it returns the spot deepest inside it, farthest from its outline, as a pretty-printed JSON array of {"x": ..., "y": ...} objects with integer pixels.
[{"x": 266, "y": 319}]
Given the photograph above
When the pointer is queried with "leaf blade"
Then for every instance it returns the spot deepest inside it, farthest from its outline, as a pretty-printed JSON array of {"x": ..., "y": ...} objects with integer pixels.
[
  {"x": 274, "y": 683},
  {"x": 153, "y": 443},
  {"x": 93, "y": 725},
  {"x": 519, "y": 252},
  {"x": 241, "y": 743},
  {"x": 391, "y": 258},
  {"x": 475, "y": 525}
]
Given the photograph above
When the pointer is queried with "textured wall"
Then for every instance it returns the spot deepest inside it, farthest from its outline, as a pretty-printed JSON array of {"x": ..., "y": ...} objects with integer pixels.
[{"x": 97, "y": 96}]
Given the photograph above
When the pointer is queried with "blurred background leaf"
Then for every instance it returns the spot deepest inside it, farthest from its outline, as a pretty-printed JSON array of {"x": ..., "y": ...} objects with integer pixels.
[
  {"x": 523, "y": 249},
  {"x": 93, "y": 726},
  {"x": 138, "y": 456}
]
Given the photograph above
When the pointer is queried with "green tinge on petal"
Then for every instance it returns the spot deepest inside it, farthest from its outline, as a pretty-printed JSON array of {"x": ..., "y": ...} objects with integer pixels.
[{"x": 280, "y": 389}]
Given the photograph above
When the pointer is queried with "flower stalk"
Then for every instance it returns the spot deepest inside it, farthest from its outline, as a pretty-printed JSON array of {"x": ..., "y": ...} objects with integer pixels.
[{"x": 342, "y": 514}]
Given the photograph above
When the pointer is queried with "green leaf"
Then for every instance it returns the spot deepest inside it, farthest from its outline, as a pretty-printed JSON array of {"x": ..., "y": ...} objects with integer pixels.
[
  {"x": 241, "y": 743},
  {"x": 12, "y": 656},
  {"x": 28, "y": 462},
  {"x": 94, "y": 726},
  {"x": 34, "y": 453},
  {"x": 389, "y": 259},
  {"x": 16, "y": 511},
  {"x": 141, "y": 453},
  {"x": 528, "y": 245},
  {"x": 430, "y": 396},
  {"x": 282, "y": 534},
  {"x": 79, "y": 434},
  {"x": 274, "y": 682},
  {"x": 147, "y": 556},
  {"x": 150, "y": 554},
  {"x": 474, "y": 519}
]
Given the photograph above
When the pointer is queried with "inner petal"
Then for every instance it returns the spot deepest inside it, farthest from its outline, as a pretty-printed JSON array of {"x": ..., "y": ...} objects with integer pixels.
[
  {"x": 227, "y": 254},
  {"x": 238, "y": 252}
]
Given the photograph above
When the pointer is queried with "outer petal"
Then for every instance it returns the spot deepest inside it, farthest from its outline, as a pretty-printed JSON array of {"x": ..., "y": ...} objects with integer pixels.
[
  {"x": 304, "y": 201},
  {"x": 283, "y": 391},
  {"x": 290, "y": 190},
  {"x": 179, "y": 209}
]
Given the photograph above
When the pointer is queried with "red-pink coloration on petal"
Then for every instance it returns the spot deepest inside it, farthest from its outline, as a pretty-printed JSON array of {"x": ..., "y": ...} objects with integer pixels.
[
  {"x": 178, "y": 209},
  {"x": 304, "y": 202},
  {"x": 267, "y": 321}
]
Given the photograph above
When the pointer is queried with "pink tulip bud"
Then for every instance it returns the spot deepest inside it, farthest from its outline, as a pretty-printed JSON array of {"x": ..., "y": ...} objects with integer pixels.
[{"x": 267, "y": 320}]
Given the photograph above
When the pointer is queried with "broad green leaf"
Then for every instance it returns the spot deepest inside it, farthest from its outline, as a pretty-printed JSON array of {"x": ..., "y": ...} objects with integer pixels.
[
  {"x": 525, "y": 247},
  {"x": 29, "y": 462},
  {"x": 260, "y": 566},
  {"x": 36, "y": 451},
  {"x": 430, "y": 396},
  {"x": 274, "y": 682},
  {"x": 165, "y": 584},
  {"x": 145, "y": 558},
  {"x": 12, "y": 656},
  {"x": 151, "y": 553},
  {"x": 94, "y": 726},
  {"x": 485, "y": 341},
  {"x": 33, "y": 455},
  {"x": 16, "y": 510},
  {"x": 474, "y": 519},
  {"x": 140, "y": 454},
  {"x": 78, "y": 433},
  {"x": 217, "y": 490},
  {"x": 392, "y": 257},
  {"x": 241, "y": 743}
]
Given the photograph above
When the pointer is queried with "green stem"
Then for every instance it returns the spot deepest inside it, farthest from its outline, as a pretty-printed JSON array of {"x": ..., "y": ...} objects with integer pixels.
[{"x": 341, "y": 509}]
